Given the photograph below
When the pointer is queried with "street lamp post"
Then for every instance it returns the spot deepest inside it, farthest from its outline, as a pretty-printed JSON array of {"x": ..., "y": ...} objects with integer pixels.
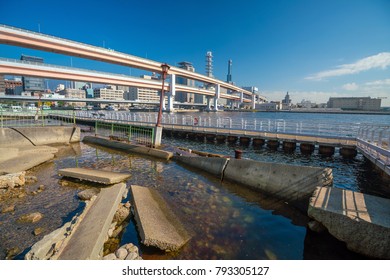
[{"x": 164, "y": 71}]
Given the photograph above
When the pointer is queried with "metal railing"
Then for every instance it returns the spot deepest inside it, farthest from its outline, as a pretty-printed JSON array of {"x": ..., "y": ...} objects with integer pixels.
[
  {"x": 374, "y": 141},
  {"x": 347, "y": 130},
  {"x": 35, "y": 118},
  {"x": 126, "y": 132}
]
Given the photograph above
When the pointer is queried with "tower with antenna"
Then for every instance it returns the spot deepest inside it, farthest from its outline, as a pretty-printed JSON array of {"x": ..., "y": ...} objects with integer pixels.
[
  {"x": 209, "y": 64},
  {"x": 229, "y": 75}
]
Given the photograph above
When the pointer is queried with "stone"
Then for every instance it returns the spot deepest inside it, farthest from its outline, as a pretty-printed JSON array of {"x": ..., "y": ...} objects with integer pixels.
[
  {"x": 30, "y": 218},
  {"x": 38, "y": 231},
  {"x": 132, "y": 256},
  {"x": 88, "y": 194},
  {"x": 121, "y": 253},
  {"x": 12, "y": 180},
  {"x": 121, "y": 214},
  {"x": 110, "y": 257},
  {"x": 362, "y": 221},
  {"x": 130, "y": 247},
  {"x": 64, "y": 183},
  {"x": 31, "y": 179},
  {"x": 316, "y": 226},
  {"x": 128, "y": 204},
  {"x": 117, "y": 231},
  {"x": 8, "y": 209},
  {"x": 41, "y": 187},
  {"x": 11, "y": 253}
]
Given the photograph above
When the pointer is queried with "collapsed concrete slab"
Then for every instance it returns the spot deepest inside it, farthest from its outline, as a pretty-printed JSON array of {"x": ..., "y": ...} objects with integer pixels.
[
  {"x": 362, "y": 221},
  {"x": 157, "y": 225},
  {"x": 94, "y": 175},
  {"x": 291, "y": 183},
  {"x": 126, "y": 147},
  {"x": 87, "y": 240},
  {"x": 213, "y": 165}
]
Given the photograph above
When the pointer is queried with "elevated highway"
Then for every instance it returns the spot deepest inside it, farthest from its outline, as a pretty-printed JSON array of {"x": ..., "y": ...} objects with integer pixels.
[{"x": 24, "y": 38}]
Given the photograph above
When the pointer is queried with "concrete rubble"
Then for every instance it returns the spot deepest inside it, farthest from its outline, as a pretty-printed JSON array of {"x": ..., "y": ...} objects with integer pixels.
[
  {"x": 157, "y": 225},
  {"x": 94, "y": 175},
  {"x": 362, "y": 221}
]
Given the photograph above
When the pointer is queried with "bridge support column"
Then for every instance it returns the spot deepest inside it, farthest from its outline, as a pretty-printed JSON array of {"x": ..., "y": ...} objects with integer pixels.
[
  {"x": 253, "y": 103},
  {"x": 208, "y": 103},
  {"x": 172, "y": 93},
  {"x": 217, "y": 96}
]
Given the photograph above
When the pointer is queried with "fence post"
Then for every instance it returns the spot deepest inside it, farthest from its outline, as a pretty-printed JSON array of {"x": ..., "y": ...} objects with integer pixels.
[
  {"x": 112, "y": 128},
  {"x": 96, "y": 128},
  {"x": 1, "y": 117},
  {"x": 74, "y": 118},
  {"x": 153, "y": 138},
  {"x": 129, "y": 133}
]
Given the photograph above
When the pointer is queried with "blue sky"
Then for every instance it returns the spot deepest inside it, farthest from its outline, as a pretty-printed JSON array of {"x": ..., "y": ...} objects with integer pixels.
[{"x": 313, "y": 49}]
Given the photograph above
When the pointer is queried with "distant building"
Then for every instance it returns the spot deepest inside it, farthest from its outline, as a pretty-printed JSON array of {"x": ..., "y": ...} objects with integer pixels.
[
  {"x": 2, "y": 84},
  {"x": 108, "y": 93},
  {"x": 229, "y": 74},
  {"x": 185, "y": 96},
  {"x": 269, "y": 106},
  {"x": 32, "y": 84},
  {"x": 355, "y": 103},
  {"x": 73, "y": 93},
  {"x": 13, "y": 87},
  {"x": 286, "y": 102},
  {"x": 307, "y": 104},
  {"x": 142, "y": 94}
]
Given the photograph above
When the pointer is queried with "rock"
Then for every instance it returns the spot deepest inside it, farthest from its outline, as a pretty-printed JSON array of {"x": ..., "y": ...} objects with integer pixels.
[
  {"x": 110, "y": 257},
  {"x": 38, "y": 231},
  {"x": 64, "y": 183},
  {"x": 121, "y": 214},
  {"x": 30, "y": 218},
  {"x": 31, "y": 179},
  {"x": 316, "y": 226},
  {"x": 130, "y": 247},
  {"x": 121, "y": 253},
  {"x": 12, "y": 180},
  {"x": 11, "y": 253},
  {"x": 128, "y": 204},
  {"x": 117, "y": 231},
  {"x": 88, "y": 194},
  {"x": 132, "y": 256},
  {"x": 41, "y": 187},
  {"x": 21, "y": 195},
  {"x": 8, "y": 209}
]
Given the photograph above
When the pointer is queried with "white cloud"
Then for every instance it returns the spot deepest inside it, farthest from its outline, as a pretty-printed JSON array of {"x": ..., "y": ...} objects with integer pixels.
[
  {"x": 385, "y": 82},
  {"x": 380, "y": 60},
  {"x": 350, "y": 86}
]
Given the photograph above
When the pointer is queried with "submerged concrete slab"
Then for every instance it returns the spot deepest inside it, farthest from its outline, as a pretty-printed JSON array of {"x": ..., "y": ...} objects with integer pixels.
[
  {"x": 99, "y": 176},
  {"x": 157, "y": 225},
  {"x": 362, "y": 221},
  {"x": 87, "y": 240}
]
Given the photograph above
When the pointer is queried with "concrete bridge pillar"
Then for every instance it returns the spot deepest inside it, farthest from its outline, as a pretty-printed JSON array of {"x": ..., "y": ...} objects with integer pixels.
[
  {"x": 208, "y": 103},
  {"x": 253, "y": 102},
  {"x": 241, "y": 97},
  {"x": 172, "y": 93},
  {"x": 217, "y": 96}
]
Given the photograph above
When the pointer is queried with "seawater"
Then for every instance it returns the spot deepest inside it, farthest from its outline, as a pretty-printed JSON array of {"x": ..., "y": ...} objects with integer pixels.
[{"x": 226, "y": 220}]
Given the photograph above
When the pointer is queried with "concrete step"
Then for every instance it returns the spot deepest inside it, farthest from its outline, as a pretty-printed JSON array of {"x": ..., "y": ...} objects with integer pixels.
[
  {"x": 157, "y": 225},
  {"x": 362, "y": 221},
  {"x": 99, "y": 176},
  {"x": 87, "y": 240}
]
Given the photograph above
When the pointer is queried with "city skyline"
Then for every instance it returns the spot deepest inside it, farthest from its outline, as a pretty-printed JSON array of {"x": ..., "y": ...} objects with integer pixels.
[{"x": 313, "y": 50}]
